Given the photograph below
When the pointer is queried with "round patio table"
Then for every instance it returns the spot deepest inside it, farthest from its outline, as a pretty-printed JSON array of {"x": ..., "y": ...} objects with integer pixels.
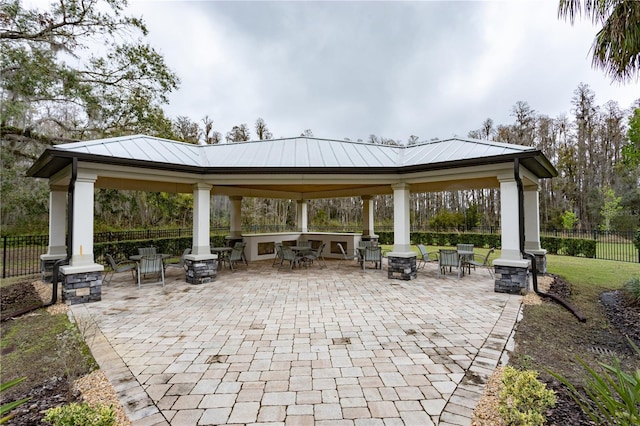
[{"x": 222, "y": 253}]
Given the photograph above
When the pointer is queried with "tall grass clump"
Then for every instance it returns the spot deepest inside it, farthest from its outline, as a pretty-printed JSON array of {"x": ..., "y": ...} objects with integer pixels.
[
  {"x": 632, "y": 291},
  {"x": 610, "y": 397}
]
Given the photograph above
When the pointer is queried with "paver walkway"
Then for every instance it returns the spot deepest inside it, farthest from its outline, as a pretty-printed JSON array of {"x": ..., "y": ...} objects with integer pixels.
[{"x": 312, "y": 346}]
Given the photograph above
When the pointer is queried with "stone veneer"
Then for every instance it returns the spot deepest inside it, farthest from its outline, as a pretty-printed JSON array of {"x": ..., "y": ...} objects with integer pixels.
[
  {"x": 201, "y": 271},
  {"x": 511, "y": 279},
  {"x": 82, "y": 288},
  {"x": 541, "y": 263},
  {"x": 46, "y": 269},
  {"x": 402, "y": 268}
]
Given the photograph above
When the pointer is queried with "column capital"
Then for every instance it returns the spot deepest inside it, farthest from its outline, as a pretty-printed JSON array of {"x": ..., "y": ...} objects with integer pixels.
[
  {"x": 366, "y": 197},
  {"x": 235, "y": 197},
  {"x": 87, "y": 177},
  {"x": 506, "y": 177},
  {"x": 202, "y": 186},
  {"x": 400, "y": 186}
]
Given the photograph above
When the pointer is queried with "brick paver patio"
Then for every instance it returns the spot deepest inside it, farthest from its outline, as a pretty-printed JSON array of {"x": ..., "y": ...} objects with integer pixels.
[{"x": 317, "y": 346}]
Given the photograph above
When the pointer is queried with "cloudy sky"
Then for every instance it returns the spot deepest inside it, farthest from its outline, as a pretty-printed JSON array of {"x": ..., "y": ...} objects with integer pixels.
[{"x": 393, "y": 69}]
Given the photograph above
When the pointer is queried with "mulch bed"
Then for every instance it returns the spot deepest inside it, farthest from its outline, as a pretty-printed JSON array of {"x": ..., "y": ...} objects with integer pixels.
[
  {"x": 18, "y": 299},
  {"x": 621, "y": 315}
]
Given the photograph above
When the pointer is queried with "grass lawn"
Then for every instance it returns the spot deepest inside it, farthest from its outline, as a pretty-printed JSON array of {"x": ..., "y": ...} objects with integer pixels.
[{"x": 580, "y": 271}]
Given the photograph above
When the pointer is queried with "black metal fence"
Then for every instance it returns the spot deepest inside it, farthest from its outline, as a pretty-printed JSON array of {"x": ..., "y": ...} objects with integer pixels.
[{"x": 21, "y": 253}]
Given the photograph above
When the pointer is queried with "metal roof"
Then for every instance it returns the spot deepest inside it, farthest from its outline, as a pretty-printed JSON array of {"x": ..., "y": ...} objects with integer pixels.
[{"x": 290, "y": 155}]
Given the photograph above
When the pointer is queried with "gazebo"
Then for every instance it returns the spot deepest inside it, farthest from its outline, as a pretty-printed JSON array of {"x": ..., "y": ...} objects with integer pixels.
[{"x": 299, "y": 169}]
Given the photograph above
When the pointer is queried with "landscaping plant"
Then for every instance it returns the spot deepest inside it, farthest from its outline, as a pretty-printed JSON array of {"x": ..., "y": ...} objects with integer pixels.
[
  {"x": 611, "y": 397},
  {"x": 632, "y": 291},
  {"x": 82, "y": 414},
  {"x": 6, "y": 408},
  {"x": 523, "y": 398}
]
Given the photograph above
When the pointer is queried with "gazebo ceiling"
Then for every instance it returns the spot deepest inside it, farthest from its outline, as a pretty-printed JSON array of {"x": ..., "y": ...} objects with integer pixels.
[{"x": 290, "y": 168}]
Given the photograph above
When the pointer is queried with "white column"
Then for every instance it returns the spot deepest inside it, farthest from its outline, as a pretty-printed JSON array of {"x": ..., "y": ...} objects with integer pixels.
[
  {"x": 201, "y": 220},
  {"x": 532, "y": 220},
  {"x": 367, "y": 216},
  {"x": 57, "y": 222},
  {"x": 401, "y": 218},
  {"x": 510, "y": 252},
  {"x": 235, "y": 216},
  {"x": 301, "y": 216},
  {"x": 82, "y": 219}
]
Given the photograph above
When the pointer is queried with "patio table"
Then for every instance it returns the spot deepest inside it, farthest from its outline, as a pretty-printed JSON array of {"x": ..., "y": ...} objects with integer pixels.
[
  {"x": 222, "y": 253},
  {"x": 137, "y": 257},
  {"x": 301, "y": 249}
]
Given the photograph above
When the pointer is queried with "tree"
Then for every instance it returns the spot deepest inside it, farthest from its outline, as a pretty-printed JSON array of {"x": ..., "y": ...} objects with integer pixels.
[
  {"x": 631, "y": 151},
  {"x": 211, "y": 137},
  {"x": 307, "y": 133},
  {"x": 610, "y": 209},
  {"x": 569, "y": 220},
  {"x": 616, "y": 47},
  {"x": 207, "y": 129},
  {"x": 486, "y": 132},
  {"x": 522, "y": 131},
  {"x": 48, "y": 62},
  {"x": 187, "y": 130},
  {"x": 413, "y": 139},
  {"x": 239, "y": 133},
  {"x": 216, "y": 138},
  {"x": 262, "y": 131}
]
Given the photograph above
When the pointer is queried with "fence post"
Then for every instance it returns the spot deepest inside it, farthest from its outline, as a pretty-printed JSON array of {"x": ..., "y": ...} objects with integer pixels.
[{"x": 4, "y": 257}]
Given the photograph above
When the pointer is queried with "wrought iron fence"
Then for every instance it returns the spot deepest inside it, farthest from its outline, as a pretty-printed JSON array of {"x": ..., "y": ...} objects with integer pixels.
[{"x": 21, "y": 253}]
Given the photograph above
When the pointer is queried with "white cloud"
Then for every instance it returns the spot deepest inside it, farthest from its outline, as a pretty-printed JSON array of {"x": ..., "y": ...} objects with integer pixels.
[{"x": 349, "y": 69}]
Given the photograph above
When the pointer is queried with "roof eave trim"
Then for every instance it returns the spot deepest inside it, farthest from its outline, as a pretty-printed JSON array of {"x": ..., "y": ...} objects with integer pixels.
[{"x": 544, "y": 168}]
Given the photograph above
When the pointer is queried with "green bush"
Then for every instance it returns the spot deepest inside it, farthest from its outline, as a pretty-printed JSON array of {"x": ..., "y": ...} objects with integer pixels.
[
  {"x": 123, "y": 249},
  {"x": 523, "y": 398},
  {"x": 385, "y": 237},
  {"x": 551, "y": 244},
  {"x": 572, "y": 246},
  {"x": 588, "y": 248},
  {"x": 569, "y": 246},
  {"x": 611, "y": 397},
  {"x": 80, "y": 415},
  {"x": 632, "y": 291}
]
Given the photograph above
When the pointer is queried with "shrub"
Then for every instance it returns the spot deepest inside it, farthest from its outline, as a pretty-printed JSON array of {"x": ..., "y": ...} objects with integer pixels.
[
  {"x": 612, "y": 397},
  {"x": 551, "y": 244},
  {"x": 523, "y": 398},
  {"x": 80, "y": 415},
  {"x": 632, "y": 291}
]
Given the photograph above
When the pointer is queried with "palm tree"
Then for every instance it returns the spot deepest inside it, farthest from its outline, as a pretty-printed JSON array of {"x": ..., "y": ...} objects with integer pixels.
[{"x": 616, "y": 48}]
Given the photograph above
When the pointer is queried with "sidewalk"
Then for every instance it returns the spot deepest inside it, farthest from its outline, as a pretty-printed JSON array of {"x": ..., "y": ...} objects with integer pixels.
[{"x": 312, "y": 346}]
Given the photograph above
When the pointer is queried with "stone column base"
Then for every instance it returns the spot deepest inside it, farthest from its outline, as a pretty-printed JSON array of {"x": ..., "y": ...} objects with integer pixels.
[
  {"x": 402, "y": 267},
  {"x": 46, "y": 266},
  {"x": 541, "y": 261},
  {"x": 511, "y": 279},
  {"x": 201, "y": 271},
  {"x": 82, "y": 287}
]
